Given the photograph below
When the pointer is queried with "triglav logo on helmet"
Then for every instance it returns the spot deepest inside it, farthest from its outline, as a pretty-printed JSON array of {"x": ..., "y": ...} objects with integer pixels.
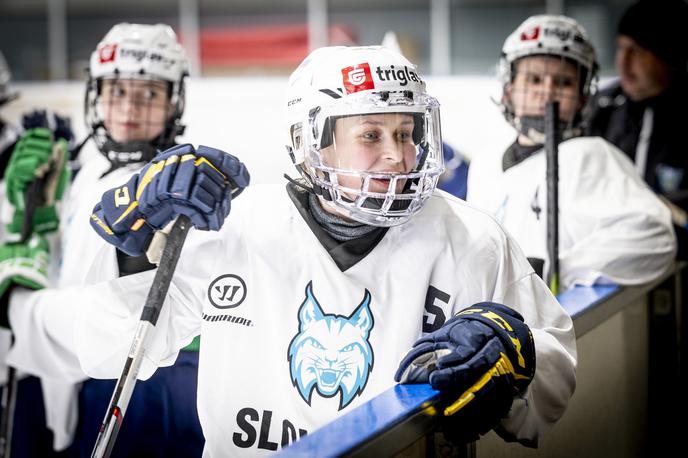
[
  {"x": 141, "y": 54},
  {"x": 358, "y": 78},
  {"x": 532, "y": 34},
  {"x": 397, "y": 74},
  {"x": 107, "y": 53},
  {"x": 562, "y": 34}
]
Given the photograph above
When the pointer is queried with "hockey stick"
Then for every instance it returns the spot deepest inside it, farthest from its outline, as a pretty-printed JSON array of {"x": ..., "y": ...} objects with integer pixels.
[
  {"x": 32, "y": 200},
  {"x": 149, "y": 317},
  {"x": 552, "y": 154}
]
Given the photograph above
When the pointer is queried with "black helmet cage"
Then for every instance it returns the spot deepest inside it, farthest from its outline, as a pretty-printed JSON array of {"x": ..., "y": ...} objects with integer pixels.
[{"x": 122, "y": 153}]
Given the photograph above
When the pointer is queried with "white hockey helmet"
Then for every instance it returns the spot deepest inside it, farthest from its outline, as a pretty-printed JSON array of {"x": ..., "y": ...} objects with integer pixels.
[
  {"x": 549, "y": 35},
  {"x": 337, "y": 83},
  {"x": 5, "y": 77},
  {"x": 139, "y": 52}
]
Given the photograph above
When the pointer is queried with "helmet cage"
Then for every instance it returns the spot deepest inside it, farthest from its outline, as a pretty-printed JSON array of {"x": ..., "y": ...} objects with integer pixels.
[
  {"x": 122, "y": 153},
  {"x": 388, "y": 208},
  {"x": 533, "y": 126}
]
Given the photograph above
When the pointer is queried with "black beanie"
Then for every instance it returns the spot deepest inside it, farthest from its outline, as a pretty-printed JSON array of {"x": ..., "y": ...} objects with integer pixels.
[{"x": 658, "y": 26}]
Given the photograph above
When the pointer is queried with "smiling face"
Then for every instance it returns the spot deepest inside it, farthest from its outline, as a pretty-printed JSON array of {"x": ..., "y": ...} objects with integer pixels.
[
  {"x": 540, "y": 79},
  {"x": 134, "y": 110},
  {"x": 372, "y": 143}
]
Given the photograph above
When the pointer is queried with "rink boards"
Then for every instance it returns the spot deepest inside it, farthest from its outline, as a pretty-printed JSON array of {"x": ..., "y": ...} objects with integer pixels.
[{"x": 617, "y": 410}]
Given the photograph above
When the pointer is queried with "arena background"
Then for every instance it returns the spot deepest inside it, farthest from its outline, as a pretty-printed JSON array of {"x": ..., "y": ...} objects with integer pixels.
[{"x": 242, "y": 52}]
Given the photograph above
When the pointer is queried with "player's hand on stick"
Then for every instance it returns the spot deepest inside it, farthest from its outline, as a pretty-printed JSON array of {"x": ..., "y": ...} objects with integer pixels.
[
  {"x": 39, "y": 155},
  {"x": 199, "y": 183},
  {"x": 480, "y": 359}
]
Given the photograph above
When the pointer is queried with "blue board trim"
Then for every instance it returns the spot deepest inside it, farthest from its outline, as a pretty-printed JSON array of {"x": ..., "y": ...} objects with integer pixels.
[
  {"x": 364, "y": 422},
  {"x": 580, "y": 299}
]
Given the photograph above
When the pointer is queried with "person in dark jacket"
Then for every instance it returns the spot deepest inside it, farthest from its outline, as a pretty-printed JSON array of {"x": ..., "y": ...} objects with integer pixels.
[{"x": 644, "y": 112}]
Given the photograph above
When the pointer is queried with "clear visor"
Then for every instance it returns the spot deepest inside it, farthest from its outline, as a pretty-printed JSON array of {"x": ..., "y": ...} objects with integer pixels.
[
  {"x": 133, "y": 109},
  {"x": 380, "y": 161}
]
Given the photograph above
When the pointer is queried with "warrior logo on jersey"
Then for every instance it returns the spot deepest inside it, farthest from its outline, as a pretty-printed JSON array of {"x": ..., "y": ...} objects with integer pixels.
[
  {"x": 227, "y": 291},
  {"x": 331, "y": 353}
]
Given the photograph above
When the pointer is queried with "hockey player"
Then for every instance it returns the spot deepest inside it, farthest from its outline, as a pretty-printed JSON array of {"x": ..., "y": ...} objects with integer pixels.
[
  {"x": 611, "y": 227},
  {"x": 30, "y": 436},
  {"x": 309, "y": 299},
  {"x": 134, "y": 104}
]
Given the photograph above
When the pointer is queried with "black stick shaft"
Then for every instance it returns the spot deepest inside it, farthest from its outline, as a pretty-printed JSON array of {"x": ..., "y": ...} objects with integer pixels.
[
  {"x": 32, "y": 200},
  {"x": 552, "y": 153},
  {"x": 149, "y": 317}
]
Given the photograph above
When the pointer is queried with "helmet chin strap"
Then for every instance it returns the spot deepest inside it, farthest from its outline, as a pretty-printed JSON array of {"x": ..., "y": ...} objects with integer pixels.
[
  {"x": 122, "y": 153},
  {"x": 129, "y": 152},
  {"x": 308, "y": 189},
  {"x": 533, "y": 127}
]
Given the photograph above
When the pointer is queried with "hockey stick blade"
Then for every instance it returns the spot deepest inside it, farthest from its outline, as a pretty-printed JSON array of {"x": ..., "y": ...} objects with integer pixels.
[{"x": 149, "y": 317}]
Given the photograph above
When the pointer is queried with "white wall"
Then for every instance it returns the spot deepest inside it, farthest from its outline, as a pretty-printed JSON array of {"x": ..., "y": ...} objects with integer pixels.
[{"x": 243, "y": 116}]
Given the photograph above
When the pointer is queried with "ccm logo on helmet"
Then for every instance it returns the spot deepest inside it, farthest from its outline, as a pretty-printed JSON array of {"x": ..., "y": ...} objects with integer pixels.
[
  {"x": 107, "y": 53},
  {"x": 358, "y": 78}
]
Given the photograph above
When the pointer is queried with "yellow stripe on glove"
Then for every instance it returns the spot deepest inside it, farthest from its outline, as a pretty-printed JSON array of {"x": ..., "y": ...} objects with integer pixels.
[{"x": 501, "y": 368}]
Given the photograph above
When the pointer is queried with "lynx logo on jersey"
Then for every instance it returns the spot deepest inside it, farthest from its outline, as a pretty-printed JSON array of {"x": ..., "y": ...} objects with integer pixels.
[{"x": 331, "y": 353}]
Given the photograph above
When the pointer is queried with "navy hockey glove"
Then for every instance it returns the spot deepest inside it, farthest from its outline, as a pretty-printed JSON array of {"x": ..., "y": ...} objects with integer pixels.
[
  {"x": 480, "y": 359},
  {"x": 180, "y": 181}
]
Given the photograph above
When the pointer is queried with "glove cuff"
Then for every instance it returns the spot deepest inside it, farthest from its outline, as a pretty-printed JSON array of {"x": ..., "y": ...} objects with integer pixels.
[{"x": 23, "y": 271}]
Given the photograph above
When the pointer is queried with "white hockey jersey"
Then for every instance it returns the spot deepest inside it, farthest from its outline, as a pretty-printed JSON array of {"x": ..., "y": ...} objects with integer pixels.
[
  {"x": 612, "y": 227},
  {"x": 291, "y": 342},
  {"x": 80, "y": 244}
]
